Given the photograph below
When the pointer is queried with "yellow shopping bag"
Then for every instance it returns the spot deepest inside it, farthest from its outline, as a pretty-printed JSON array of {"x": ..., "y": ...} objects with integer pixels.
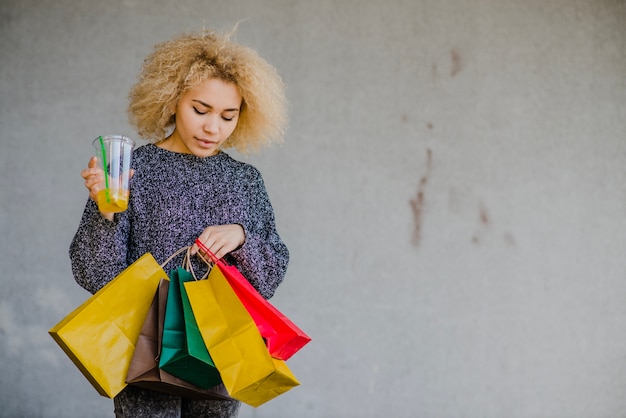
[
  {"x": 100, "y": 335},
  {"x": 235, "y": 344}
]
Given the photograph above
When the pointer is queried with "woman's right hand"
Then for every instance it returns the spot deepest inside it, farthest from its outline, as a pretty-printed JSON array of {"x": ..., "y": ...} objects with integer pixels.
[{"x": 94, "y": 182}]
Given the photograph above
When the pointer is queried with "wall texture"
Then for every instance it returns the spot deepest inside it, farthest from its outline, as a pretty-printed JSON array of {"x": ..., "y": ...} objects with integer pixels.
[{"x": 451, "y": 190}]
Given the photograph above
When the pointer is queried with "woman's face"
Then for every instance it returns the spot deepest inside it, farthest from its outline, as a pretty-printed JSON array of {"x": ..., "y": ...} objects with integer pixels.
[{"x": 206, "y": 115}]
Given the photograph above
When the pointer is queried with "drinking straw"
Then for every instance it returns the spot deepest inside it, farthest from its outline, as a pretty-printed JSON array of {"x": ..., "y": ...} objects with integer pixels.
[{"x": 104, "y": 164}]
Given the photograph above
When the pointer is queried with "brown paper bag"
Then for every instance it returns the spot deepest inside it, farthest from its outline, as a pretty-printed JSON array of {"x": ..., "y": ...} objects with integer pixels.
[{"x": 144, "y": 367}]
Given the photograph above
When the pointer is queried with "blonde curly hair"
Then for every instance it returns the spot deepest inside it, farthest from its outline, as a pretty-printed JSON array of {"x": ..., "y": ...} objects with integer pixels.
[{"x": 185, "y": 61}]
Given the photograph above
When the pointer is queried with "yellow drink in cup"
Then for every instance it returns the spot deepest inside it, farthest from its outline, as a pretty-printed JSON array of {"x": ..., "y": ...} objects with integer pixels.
[
  {"x": 114, "y": 202},
  {"x": 114, "y": 154}
]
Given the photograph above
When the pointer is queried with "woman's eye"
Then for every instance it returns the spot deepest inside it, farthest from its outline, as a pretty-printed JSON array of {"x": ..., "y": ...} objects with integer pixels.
[
  {"x": 198, "y": 112},
  {"x": 228, "y": 119}
]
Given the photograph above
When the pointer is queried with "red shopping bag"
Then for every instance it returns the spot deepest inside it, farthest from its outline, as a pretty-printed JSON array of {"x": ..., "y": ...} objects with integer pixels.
[{"x": 282, "y": 336}]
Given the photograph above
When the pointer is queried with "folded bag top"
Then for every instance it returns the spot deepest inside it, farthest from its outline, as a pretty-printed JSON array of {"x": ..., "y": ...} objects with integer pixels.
[
  {"x": 100, "y": 335},
  {"x": 282, "y": 336},
  {"x": 248, "y": 371}
]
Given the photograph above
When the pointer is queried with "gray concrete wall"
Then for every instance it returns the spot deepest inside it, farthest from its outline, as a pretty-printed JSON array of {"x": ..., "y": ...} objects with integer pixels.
[{"x": 451, "y": 189}]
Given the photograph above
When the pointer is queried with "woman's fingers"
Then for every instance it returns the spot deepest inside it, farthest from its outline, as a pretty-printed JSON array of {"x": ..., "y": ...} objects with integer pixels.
[
  {"x": 94, "y": 182},
  {"x": 221, "y": 239},
  {"x": 93, "y": 177},
  {"x": 209, "y": 238}
]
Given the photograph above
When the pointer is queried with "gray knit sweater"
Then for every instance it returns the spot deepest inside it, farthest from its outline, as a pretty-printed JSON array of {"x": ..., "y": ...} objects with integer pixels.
[{"x": 173, "y": 198}]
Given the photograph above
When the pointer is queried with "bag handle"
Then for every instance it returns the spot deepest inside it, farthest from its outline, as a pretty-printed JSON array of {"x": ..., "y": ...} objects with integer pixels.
[
  {"x": 208, "y": 252},
  {"x": 177, "y": 252},
  {"x": 186, "y": 264},
  {"x": 219, "y": 261}
]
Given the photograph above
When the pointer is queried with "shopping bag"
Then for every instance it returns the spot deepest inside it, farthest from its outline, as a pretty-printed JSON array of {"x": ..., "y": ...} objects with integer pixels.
[
  {"x": 183, "y": 353},
  {"x": 100, "y": 335},
  {"x": 282, "y": 336},
  {"x": 144, "y": 367},
  {"x": 248, "y": 371}
]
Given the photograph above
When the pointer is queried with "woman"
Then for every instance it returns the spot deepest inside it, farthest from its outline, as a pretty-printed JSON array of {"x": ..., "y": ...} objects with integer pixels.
[{"x": 196, "y": 95}]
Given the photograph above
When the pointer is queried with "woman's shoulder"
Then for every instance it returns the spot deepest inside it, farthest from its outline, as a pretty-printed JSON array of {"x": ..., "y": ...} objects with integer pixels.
[
  {"x": 144, "y": 153},
  {"x": 144, "y": 150},
  {"x": 240, "y": 167}
]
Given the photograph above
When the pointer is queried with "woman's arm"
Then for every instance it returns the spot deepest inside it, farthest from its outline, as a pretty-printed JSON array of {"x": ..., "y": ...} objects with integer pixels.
[
  {"x": 98, "y": 250},
  {"x": 263, "y": 257}
]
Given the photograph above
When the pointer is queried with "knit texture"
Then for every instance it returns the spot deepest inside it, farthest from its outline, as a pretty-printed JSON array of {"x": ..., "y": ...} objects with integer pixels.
[{"x": 173, "y": 198}]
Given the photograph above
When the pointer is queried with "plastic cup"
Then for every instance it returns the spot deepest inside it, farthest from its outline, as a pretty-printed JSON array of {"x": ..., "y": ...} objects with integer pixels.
[{"x": 114, "y": 154}]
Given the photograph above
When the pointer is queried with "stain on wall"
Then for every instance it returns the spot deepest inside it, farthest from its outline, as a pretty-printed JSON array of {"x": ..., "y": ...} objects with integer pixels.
[
  {"x": 417, "y": 203},
  {"x": 456, "y": 65},
  {"x": 483, "y": 224},
  {"x": 452, "y": 62}
]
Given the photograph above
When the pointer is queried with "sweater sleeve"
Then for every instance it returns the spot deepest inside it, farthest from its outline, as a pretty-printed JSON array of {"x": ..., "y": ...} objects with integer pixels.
[
  {"x": 263, "y": 258},
  {"x": 99, "y": 248}
]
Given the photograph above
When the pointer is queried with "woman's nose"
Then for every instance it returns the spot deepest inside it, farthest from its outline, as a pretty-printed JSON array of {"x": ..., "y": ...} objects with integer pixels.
[{"x": 211, "y": 124}]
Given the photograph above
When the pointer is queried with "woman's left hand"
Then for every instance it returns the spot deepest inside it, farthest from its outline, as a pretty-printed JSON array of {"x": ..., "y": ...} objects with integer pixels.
[{"x": 221, "y": 239}]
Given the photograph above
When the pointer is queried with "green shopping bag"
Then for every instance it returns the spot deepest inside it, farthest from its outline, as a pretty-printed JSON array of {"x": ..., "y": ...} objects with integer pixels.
[{"x": 183, "y": 352}]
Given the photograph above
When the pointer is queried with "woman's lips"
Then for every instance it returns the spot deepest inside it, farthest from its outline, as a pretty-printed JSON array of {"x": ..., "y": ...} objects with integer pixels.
[{"x": 206, "y": 142}]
